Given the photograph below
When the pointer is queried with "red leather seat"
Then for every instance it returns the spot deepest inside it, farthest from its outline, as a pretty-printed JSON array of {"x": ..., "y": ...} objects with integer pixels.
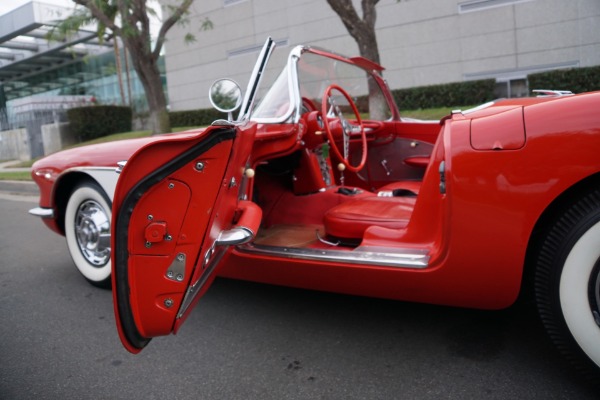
[{"x": 350, "y": 219}]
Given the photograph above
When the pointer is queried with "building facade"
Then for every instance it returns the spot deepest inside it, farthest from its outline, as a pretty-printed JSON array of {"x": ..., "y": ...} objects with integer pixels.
[
  {"x": 40, "y": 78},
  {"x": 421, "y": 42}
]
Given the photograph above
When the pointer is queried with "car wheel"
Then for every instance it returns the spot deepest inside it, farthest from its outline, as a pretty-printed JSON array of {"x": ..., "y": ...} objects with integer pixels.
[
  {"x": 567, "y": 283},
  {"x": 87, "y": 229}
]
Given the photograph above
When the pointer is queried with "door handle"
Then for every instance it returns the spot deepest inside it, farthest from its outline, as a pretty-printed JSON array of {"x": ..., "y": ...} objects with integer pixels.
[{"x": 246, "y": 227}]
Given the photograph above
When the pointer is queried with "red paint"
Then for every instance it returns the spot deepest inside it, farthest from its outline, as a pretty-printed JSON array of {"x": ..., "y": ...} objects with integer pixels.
[{"x": 490, "y": 177}]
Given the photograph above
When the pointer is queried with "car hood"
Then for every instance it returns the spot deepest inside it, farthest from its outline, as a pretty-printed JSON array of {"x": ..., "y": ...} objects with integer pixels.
[{"x": 101, "y": 154}]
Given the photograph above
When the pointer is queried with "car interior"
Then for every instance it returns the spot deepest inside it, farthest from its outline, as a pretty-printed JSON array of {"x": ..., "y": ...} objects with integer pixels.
[{"x": 308, "y": 201}]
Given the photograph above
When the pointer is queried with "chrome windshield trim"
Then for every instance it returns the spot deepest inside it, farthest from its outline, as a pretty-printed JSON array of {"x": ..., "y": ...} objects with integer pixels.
[
  {"x": 255, "y": 78},
  {"x": 371, "y": 256},
  {"x": 296, "y": 101},
  {"x": 293, "y": 91},
  {"x": 42, "y": 212}
]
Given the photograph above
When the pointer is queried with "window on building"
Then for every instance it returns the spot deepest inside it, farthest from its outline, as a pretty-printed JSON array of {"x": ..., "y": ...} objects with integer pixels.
[
  {"x": 232, "y": 2},
  {"x": 511, "y": 88},
  {"x": 479, "y": 5}
]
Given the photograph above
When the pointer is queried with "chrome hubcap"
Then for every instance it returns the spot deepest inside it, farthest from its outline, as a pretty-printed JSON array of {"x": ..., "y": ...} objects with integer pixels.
[{"x": 92, "y": 229}]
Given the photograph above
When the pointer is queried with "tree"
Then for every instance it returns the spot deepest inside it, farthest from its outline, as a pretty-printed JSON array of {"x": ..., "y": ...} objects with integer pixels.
[
  {"x": 130, "y": 21},
  {"x": 363, "y": 32},
  {"x": 361, "y": 29}
]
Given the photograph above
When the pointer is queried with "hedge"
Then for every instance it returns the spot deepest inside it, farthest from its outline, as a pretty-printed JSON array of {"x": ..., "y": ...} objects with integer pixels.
[
  {"x": 97, "y": 121},
  {"x": 443, "y": 95},
  {"x": 577, "y": 80},
  {"x": 195, "y": 117}
]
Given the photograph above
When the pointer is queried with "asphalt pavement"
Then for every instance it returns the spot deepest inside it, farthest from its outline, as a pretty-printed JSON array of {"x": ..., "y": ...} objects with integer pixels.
[{"x": 248, "y": 341}]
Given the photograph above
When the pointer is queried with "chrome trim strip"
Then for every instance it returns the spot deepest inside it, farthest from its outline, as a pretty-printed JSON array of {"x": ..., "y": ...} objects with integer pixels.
[
  {"x": 92, "y": 168},
  {"x": 120, "y": 166},
  {"x": 371, "y": 256},
  {"x": 194, "y": 289},
  {"x": 104, "y": 176},
  {"x": 478, "y": 108},
  {"x": 293, "y": 91},
  {"x": 255, "y": 78},
  {"x": 42, "y": 212}
]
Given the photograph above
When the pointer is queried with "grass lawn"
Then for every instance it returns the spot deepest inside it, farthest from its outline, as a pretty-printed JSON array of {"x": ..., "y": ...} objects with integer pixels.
[
  {"x": 431, "y": 113},
  {"x": 15, "y": 176}
]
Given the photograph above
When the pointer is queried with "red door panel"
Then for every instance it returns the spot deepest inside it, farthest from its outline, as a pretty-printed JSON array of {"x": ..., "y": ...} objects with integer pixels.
[{"x": 174, "y": 201}]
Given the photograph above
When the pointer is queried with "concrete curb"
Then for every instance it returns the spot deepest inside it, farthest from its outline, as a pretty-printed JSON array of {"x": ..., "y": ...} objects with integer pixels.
[{"x": 19, "y": 187}]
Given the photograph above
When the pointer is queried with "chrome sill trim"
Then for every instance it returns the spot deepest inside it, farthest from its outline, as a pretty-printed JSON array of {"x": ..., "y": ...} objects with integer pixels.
[
  {"x": 42, "y": 212},
  {"x": 371, "y": 256}
]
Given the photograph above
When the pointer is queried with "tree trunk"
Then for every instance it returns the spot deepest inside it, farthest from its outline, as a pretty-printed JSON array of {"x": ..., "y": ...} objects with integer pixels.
[
  {"x": 129, "y": 19},
  {"x": 119, "y": 69},
  {"x": 363, "y": 32},
  {"x": 127, "y": 76},
  {"x": 361, "y": 29},
  {"x": 149, "y": 75}
]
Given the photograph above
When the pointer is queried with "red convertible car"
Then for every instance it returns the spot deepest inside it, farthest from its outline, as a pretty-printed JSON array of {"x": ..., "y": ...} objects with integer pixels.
[{"x": 321, "y": 184}]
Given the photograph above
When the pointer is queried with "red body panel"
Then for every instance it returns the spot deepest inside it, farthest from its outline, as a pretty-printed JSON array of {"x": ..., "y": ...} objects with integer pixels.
[
  {"x": 478, "y": 232},
  {"x": 485, "y": 179}
]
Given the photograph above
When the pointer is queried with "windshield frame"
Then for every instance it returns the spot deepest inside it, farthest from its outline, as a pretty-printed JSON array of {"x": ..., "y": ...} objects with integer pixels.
[
  {"x": 293, "y": 112},
  {"x": 255, "y": 79}
]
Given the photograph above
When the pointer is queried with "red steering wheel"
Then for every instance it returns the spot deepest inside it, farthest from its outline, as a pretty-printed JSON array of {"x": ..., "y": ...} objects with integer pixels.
[{"x": 329, "y": 106}]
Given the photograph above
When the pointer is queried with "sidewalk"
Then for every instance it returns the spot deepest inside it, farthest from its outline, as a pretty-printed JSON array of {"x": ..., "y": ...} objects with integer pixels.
[
  {"x": 17, "y": 187},
  {"x": 5, "y": 166}
]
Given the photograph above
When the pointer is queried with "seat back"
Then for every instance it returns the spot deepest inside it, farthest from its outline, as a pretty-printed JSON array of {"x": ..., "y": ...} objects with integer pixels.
[{"x": 350, "y": 220}]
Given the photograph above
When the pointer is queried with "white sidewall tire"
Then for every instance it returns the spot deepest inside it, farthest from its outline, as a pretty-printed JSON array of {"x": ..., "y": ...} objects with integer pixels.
[
  {"x": 95, "y": 274},
  {"x": 573, "y": 292}
]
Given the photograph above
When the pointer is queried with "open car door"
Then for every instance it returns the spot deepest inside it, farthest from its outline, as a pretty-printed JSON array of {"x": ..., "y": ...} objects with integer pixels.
[{"x": 176, "y": 210}]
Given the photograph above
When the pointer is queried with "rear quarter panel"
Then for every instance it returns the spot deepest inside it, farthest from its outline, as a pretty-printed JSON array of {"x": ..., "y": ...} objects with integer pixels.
[{"x": 499, "y": 195}]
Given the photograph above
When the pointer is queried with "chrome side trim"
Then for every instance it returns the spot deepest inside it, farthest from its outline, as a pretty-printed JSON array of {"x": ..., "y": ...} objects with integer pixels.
[
  {"x": 120, "y": 166},
  {"x": 104, "y": 176},
  {"x": 42, "y": 212},
  {"x": 372, "y": 256}
]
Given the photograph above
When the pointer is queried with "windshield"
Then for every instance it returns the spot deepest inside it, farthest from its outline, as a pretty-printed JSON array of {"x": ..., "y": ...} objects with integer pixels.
[{"x": 311, "y": 74}]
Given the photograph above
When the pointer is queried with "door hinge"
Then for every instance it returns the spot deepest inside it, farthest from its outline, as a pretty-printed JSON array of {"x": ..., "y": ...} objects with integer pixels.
[{"x": 176, "y": 271}]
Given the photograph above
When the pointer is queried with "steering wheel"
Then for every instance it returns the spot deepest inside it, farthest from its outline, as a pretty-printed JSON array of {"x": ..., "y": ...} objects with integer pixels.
[{"x": 348, "y": 129}]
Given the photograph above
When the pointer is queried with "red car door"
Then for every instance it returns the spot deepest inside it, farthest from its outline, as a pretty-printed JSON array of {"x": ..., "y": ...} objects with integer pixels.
[{"x": 177, "y": 207}]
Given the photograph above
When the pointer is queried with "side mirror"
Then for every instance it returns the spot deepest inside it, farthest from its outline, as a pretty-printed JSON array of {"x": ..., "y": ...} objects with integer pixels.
[{"x": 226, "y": 96}]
